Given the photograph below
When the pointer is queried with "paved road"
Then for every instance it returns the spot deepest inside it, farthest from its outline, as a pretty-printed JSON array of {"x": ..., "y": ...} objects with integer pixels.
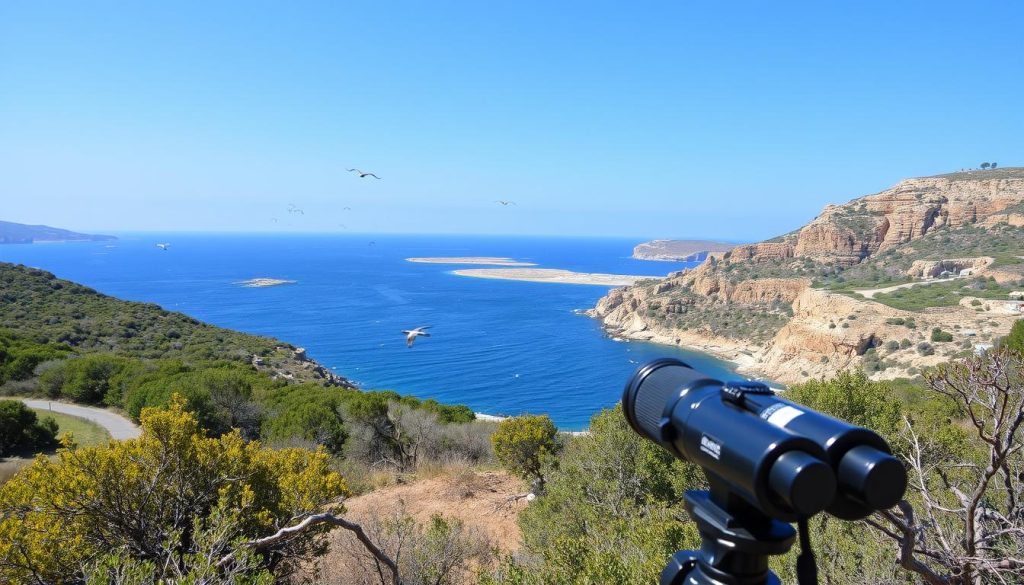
[{"x": 118, "y": 426}]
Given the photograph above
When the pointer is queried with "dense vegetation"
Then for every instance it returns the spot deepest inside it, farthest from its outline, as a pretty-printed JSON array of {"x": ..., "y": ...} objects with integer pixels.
[
  {"x": 172, "y": 505},
  {"x": 22, "y": 430},
  {"x": 37, "y": 306}
]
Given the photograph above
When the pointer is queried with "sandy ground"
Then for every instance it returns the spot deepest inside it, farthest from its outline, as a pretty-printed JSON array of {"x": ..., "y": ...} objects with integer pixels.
[
  {"x": 492, "y": 260},
  {"x": 118, "y": 426},
  {"x": 553, "y": 275},
  {"x": 485, "y": 502}
]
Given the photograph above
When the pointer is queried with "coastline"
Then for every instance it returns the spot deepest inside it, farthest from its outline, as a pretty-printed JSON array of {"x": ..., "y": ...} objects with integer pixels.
[
  {"x": 743, "y": 360},
  {"x": 553, "y": 275}
]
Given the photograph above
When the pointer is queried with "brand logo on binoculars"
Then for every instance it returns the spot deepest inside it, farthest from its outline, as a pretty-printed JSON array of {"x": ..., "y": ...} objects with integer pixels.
[{"x": 710, "y": 446}]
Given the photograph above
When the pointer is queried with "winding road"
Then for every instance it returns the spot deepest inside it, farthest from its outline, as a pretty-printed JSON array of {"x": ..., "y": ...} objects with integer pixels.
[{"x": 118, "y": 426}]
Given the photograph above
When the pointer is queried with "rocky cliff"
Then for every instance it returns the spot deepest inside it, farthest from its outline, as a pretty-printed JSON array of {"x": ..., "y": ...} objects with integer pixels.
[{"x": 840, "y": 291}]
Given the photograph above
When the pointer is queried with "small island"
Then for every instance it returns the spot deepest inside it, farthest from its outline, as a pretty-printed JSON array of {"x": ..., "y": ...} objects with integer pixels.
[
  {"x": 554, "y": 275},
  {"x": 490, "y": 260},
  {"x": 264, "y": 282}
]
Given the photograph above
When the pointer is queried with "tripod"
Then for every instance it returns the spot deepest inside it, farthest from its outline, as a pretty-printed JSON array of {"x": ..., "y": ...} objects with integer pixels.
[{"x": 736, "y": 541}]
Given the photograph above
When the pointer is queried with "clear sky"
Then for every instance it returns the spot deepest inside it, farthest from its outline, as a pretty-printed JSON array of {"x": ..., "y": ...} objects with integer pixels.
[{"x": 648, "y": 119}]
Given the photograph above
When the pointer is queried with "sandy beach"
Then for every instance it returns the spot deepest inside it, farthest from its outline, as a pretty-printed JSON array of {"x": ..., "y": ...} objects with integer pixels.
[
  {"x": 264, "y": 282},
  {"x": 487, "y": 260},
  {"x": 553, "y": 275}
]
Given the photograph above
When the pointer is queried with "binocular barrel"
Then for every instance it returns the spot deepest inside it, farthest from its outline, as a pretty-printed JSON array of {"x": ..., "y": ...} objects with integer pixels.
[{"x": 786, "y": 459}]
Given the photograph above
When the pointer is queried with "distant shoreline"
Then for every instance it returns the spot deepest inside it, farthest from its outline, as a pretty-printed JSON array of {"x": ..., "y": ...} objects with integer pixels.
[
  {"x": 488, "y": 260},
  {"x": 554, "y": 275}
]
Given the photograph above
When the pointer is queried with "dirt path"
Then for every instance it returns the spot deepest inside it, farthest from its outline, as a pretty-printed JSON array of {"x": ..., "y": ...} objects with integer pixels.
[
  {"x": 118, "y": 426},
  {"x": 869, "y": 293}
]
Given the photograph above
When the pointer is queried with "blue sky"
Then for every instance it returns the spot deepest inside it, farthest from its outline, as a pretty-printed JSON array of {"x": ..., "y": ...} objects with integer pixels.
[{"x": 648, "y": 119}]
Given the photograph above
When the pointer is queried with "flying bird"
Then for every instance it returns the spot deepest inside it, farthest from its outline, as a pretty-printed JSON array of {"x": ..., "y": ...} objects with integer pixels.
[
  {"x": 363, "y": 175},
  {"x": 346, "y": 209},
  {"x": 412, "y": 334},
  {"x": 505, "y": 203},
  {"x": 163, "y": 247},
  {"x": 293, "y": 209}
]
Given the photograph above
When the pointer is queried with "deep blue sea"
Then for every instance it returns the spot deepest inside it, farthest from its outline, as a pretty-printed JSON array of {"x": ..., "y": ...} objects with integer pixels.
[{"x": 500, "y": 347}]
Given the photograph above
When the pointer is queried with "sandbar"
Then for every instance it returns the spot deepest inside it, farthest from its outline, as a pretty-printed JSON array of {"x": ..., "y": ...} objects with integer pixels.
[
  {"x": 492, "y": 260},
  {"x": 265, "y": 282},
  {"x": 554, "y": 275}
]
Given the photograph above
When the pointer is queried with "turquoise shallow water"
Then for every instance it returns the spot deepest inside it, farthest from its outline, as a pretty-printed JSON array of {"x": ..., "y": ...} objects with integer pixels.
[{"x": 500, "y": 347}]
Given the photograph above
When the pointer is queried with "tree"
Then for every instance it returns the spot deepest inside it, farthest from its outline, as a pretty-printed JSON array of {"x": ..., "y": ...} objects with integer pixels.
[
  {"x": 522, "y": 444},
  {"x": 20, "y": 428},
  {"x": 993, "y": 165},
  {"x": 963, "y": 520},
  {"x": 984, "y": 165},
  {"x": 176, "y": 503},
  {"x": 1015, "y": 340}
]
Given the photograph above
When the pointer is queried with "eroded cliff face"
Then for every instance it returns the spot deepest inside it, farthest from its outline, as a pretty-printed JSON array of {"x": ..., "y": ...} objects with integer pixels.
[
  {"x": 848, "y": 233},
  {"x": 738, "y": 306}
]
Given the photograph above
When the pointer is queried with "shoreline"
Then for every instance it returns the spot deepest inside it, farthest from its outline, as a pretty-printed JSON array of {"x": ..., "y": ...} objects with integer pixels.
[
  {"x": 484, "y": 260},
  {"x": 554, "y": 276}
]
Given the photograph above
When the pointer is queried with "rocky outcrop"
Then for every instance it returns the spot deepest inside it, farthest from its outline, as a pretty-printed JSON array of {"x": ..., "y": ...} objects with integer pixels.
[
  {"x": 846, "y": 234},
  {"x": 951, "y": 266}
]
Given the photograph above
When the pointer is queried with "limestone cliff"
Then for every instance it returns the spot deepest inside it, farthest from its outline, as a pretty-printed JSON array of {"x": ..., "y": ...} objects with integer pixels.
[
  {"x": 679, "y": 250},
  {"x": 839, "y": 292}
]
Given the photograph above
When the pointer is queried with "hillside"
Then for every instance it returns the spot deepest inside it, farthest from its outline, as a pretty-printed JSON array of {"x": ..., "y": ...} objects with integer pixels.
[
  {"x": 679, "y": 250},
  {"x": 36, "y": 305},
  {"x": 862, "y": 285},
  {"x": 18, "y": 233}
]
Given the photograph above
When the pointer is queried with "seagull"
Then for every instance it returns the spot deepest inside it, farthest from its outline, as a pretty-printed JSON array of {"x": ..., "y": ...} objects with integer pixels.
[
  {"x": 293, "y": 209},
  {"x": 346, "y": 209},
  {"x": 362, "y": 175},
  {"x": 412, "y": 334},
  {"x": 163, "y": 247},
  {"x": 505, "y": 203}
]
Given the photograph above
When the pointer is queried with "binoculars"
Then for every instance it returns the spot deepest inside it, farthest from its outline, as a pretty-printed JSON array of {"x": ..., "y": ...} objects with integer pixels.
[{"x": 768, "y": 461}]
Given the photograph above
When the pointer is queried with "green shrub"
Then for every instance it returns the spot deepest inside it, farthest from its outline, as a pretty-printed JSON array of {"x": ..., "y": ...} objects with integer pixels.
[
  {"x": 925, "y": 348},
  {"x": 892, "y": 345},
  {"x": 523, "y": 443},
  {"x": 21, "y": 429},
  {"x": 940, "y": 336}
]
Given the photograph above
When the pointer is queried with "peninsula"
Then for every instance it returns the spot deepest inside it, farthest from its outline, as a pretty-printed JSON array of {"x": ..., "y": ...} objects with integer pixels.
[
  {"x": 19, "y": 233},
  {"x": 485, "y": 260},
  {"x": 680, "y": 250},
  {"x": 554, "y": 275}
]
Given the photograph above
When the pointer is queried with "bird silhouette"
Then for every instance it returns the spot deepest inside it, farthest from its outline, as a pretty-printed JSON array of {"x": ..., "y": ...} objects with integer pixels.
[
  {"x": 163, "y": 247},
  {"x": 505, "y": 203},
  {"x": 412, "y": 334},
  {"x": 362, "y": 174},
  {"x": 346, "y": 209},
  {"x": 293, "y": 209}
]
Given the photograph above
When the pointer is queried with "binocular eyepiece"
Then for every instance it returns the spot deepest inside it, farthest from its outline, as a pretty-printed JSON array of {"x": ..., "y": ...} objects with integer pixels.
[{"x": 786, "y": 460}]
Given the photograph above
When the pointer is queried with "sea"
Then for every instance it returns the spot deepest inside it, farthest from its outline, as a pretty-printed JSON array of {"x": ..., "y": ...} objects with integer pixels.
[{"x": 500, "y": 347}]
